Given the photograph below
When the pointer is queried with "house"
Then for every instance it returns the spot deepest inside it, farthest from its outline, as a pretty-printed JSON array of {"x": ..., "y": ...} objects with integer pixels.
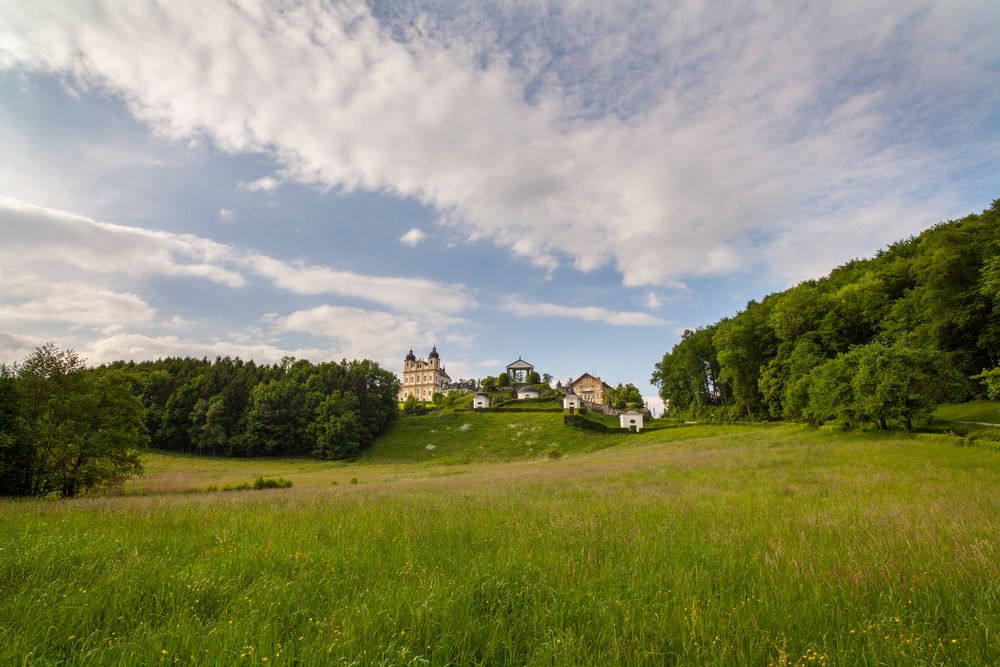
[
  {"x": 589, "y": 388},
  {"x": 480, "y": 400},
  {"x": 527, "y": 391},
  {"x": 422, "y": 379},
  {"x": 518, "y": 371},
  {"x": 631, "y": 420},
  {"x": 571, "y": 402}
]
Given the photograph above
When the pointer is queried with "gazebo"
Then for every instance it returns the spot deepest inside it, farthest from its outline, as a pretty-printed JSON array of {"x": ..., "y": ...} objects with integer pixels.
[{"x": 518, "y": 371}]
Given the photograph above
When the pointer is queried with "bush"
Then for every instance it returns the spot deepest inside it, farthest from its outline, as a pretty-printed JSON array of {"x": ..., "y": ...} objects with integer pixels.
[
  {"x": 259, "y": 483},
  {"x": 272, "y": 483}
]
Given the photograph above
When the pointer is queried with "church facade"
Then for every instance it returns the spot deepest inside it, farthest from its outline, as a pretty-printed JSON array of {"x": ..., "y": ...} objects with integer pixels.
[{"x": 422, "y": 379}]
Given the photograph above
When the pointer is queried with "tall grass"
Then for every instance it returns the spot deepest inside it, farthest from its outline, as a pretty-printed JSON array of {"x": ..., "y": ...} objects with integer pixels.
[{"x": 742, "y": 547}]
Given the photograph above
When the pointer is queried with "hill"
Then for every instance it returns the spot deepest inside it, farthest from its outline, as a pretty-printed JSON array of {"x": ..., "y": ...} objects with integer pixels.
[
  {"x": 878, "y": 341},
  {"x": 722, "y": 545}
]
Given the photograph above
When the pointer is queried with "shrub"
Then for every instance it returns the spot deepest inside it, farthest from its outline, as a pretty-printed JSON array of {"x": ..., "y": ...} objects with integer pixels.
[{"x": 272, "y": 483}]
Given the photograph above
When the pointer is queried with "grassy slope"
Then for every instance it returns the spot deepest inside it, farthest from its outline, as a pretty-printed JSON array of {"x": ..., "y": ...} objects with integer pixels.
[
  {"x": 728, "y": 546},
  {"x": 974, "y": 411}
]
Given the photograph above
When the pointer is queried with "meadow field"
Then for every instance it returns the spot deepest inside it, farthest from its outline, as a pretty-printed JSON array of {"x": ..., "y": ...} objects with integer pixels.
[{"x": 511, "y": 539}]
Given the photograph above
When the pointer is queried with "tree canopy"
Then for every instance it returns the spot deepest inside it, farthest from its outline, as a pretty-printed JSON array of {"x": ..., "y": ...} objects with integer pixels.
[
  {"x": 67, "y": 429},
  {"x": 880, "y": 340}
]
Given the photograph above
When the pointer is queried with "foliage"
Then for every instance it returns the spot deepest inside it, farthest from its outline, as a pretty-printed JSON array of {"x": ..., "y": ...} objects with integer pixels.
[
  {"x": 534, "y": 378},
  {"x": 623, "y": 397},
  {"x": 991, "y": 382},
  {"x": 236, "y": 408},
  {"x": 503, "y": 380},
  {"x": 67, "y": 429},
  {"x": 488, "y": 384},
  {"x": 932, "y": 300},
  {"x": 411, "y": 406}
]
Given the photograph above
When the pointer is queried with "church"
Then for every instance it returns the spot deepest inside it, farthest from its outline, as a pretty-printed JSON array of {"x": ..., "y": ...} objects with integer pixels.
[{"x": 422, "y": 379}]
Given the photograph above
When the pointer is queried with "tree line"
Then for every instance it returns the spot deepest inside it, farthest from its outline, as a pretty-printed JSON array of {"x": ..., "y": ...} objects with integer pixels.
[
  {"x": 66, "y": 428},
  {"x": 878, "y": 341}
]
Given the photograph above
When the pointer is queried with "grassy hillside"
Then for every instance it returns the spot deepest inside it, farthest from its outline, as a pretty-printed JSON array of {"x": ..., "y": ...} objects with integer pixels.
[
  {"x": 975, "y": 411},
  {"x": 733, "y": 546}
]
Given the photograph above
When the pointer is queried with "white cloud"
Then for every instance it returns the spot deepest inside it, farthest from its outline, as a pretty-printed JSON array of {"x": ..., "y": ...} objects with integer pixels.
[
  {"x": 655, "y": 405},
  {"x": 264, "y": 184},
  {"x": 490, "y": 363},
  {"x": 28, "y": 300},
  {"x": 50, "y": 245},
  {"x": 139, "y": 346},
  {"x": 413, "y": 237},
  {"x": 400, "y": 293},
  {"x": 717, "y": 136},
  {"x": 357, "y": 332},
  {"x": 36, "y": 239},
  {"x": 14, "y": 348},
  {"x": 653, "y": 302},
  {"x": 226, "y": 214},
  {"x": 587, "y": 313}
]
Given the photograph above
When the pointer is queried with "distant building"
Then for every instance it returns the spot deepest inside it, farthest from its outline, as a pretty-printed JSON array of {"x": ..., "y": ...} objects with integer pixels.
[
  {"x": 461, "y": 386},
  {"x": 527, "y": 391},
  {"x": 589, "y": 388},
  {"x": 518, "y": 371},
  {"x": 480, "y": 400},
  {"x": 631, "y": 421},
  {"x": 571, "y": 402},
  {"x": 422, "y": 379}
]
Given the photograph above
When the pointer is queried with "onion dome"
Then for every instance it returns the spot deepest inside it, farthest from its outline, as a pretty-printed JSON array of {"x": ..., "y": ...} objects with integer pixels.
[
  {"x": 410, "y": 356},
  {"x": 434, "y": 354}
]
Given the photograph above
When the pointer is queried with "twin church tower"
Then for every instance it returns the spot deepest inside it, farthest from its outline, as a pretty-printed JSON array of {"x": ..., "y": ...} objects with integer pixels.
[{"x": 422, "y": 379}]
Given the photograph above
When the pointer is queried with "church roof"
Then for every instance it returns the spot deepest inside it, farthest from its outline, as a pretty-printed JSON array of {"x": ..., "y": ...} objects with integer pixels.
[
  {"x": 520, "y": 364},
  {"x": 434, "y": 354},
  {"x": 526, "y": 387}
]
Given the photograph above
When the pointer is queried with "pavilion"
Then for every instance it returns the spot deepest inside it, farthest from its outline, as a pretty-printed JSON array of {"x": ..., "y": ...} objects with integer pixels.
[{"x": 518, "y": 371}]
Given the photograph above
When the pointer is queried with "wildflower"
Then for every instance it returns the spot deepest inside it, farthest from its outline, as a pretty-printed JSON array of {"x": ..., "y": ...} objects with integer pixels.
[{"x": 164, "y": 651}]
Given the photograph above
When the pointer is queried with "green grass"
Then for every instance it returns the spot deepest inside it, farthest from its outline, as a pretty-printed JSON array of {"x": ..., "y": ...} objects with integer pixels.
[
  {"x": 705, "y": 545},
  {"x": 974, "y": 411}
]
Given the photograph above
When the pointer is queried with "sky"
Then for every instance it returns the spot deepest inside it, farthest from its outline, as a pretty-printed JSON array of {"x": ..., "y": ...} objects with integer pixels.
[{"x": 575, "y": 183}]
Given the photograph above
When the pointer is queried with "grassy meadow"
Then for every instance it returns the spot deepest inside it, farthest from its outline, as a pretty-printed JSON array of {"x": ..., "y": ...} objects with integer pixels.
[{"x": 516, "y": 540}]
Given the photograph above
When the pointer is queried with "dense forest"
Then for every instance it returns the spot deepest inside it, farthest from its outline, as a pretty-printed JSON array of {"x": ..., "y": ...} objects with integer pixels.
[
  {"x": 232, "y": 407},
  {"x": 879, "y": 341},
  {"x": 67, "y": 428}
]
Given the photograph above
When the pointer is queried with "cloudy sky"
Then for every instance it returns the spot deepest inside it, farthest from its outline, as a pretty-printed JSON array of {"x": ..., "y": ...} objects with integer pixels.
[{"x": 573, "y": 182}]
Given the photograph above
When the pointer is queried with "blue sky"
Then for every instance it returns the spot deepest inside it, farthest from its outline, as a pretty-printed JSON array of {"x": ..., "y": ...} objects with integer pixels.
[{"x": 575, "y": 183}]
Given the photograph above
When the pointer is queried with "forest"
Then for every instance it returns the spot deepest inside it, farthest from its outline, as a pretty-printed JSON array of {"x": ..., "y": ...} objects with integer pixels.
[
  {"x": 877, "y": 342},
  {"x": 67, "y": 428}
]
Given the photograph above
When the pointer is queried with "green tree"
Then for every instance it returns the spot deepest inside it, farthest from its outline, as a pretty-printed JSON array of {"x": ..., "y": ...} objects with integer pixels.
[
  {"x": 503, "y": 381},
  {"x": 489, "y": 383},
  {"x": 78, "y": 429},
  {"x": 900, "y": 383},
  {"x": 991, "y": 382},
  {"x": 280, "y": 411},
  {"x": 534, "y": 378},
  {"x": 336, "y": 430}
]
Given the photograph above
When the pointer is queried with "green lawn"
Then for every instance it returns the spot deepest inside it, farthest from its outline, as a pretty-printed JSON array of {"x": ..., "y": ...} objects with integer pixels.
[
  {"x": 704, "y": 545},
  {"x": 974, "y": 411}
]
